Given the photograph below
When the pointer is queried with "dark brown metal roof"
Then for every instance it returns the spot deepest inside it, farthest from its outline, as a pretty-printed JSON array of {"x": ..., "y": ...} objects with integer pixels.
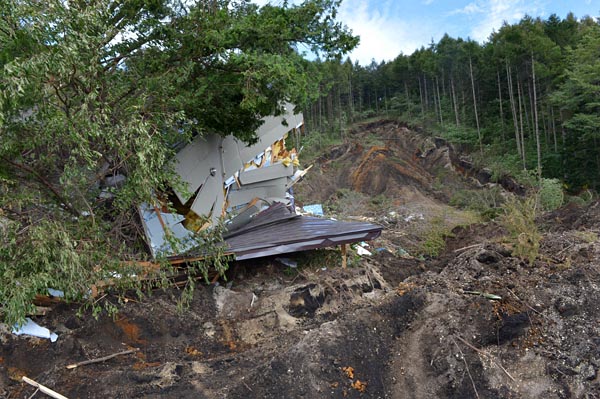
[
  {"x": 276, "y": 213},
  {"x": 277, "y": 231}
]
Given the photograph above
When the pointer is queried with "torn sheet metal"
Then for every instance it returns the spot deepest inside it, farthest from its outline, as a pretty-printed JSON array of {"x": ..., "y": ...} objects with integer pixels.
[
  {"x": 159, "y": 225},
  {"x": 299, "y": 234},
  {"x": 250, "y": 187},
  {"x": 277, "y": 230},
  {"x": 194, "y": 163},
  {"x": 227, "y": 179}
]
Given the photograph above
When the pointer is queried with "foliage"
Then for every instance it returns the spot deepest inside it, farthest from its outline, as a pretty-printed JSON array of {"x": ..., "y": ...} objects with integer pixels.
[
  {"x": 519, "y": 220},
  {"x": 534, "y": 90},
  {"x": 91, "y": 90},
  {"x": 551, "y": 194}
]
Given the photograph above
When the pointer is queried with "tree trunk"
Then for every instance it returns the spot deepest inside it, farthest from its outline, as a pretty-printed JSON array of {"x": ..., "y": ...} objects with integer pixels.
[
  {"x": 454, "y": 101},
  {"x": 528, "y": 122},
  {"x": 519, "y": 96},
  {"x": 435, "y": 104},
  {"x": 320, "y": 112},
  {"x": 535, "y": 120},
  {"x": 408, "y": 103},
  {"x": 385, "y": 100},
  {"x": 475, "y": 106},
  {"x": 330, "y": 114},
  {"x": 341, "y": 119},
  {"x": 350, "y": 100},
  {"x": 422, "y": 102},
  {"x": 553, "y": 124},
  {"x": 426, "y": 93},
  {"x": 513, "y": 108},
  {"x": 500, "y": 102},
  {"x": 437, "y": 87}
]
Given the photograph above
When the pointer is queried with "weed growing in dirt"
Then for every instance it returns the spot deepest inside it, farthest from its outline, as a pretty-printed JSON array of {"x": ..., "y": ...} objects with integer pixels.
[
  {"x": 317, "y": 259},
  {"x": 346, "y": 202},
  {"x": 486, "y": 201},
  {"x": 583, "y": 199},
  {"x": 587, "y": 236},
  {"x": 434, "y": 240},
  {"x": 381, "y": 202},
  {"x": 519, "y": 219}
]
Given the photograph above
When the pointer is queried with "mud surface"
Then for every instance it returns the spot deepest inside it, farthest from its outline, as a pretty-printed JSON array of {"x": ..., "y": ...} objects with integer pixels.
[{"x": 473, "y": 321}]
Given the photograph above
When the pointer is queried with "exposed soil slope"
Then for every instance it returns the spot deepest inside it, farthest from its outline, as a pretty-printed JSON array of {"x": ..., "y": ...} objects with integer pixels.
[{"x": 390, "y": 326}]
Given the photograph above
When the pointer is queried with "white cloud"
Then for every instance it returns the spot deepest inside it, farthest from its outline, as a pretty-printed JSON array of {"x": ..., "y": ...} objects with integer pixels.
[
  {"x": 383, "y": 35},
  {"x": 469, "y": 9},
  {"x": 428, "y": 2},
  {"x": 495, "y": 12}
]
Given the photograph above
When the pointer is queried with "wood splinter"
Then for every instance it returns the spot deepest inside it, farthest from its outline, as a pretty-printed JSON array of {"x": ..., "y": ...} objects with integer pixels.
[
  {"x": 43, "y": 388},
  {"x": 101, "y": 359}
]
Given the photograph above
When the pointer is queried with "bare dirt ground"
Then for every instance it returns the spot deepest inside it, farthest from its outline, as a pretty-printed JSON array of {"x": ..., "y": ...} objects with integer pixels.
[{"x": 394, "y": 325}]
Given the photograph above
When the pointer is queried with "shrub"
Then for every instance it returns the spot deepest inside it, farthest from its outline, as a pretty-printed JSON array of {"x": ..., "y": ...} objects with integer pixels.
[
  {"x": 519, "y": 219},
  {"x": 551, "y": 194}
]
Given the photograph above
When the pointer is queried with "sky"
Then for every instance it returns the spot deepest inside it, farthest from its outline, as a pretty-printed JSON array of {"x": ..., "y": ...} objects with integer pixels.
[{"x": 388, "y": 28}]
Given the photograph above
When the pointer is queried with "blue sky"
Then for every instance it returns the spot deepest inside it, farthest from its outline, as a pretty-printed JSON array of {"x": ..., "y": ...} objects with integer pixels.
[{"x": 390, "y": 27}]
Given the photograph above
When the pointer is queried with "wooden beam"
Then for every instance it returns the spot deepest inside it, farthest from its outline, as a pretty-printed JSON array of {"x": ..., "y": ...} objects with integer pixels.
[{"x": 344, "y": 256}]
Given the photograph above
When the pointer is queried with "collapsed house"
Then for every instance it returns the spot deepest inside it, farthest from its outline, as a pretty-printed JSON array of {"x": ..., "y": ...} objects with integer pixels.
[{"x": 248, "y": 188}]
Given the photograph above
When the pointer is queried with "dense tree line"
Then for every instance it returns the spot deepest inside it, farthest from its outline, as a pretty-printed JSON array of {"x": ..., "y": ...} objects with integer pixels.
[{"x": 528, "y": 97}]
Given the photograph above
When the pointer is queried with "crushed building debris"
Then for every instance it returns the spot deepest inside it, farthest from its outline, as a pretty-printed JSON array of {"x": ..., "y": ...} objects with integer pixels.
[{"x": 249, "y": 188}]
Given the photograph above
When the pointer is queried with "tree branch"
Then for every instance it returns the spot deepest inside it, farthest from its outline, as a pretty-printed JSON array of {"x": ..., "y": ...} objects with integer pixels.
[{"x": 45, "y": 182}]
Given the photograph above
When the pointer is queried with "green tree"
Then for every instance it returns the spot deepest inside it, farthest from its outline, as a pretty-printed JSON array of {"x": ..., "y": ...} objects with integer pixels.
[
  {"x": 90, "y": 89},
  {"x": 578, "y": 99}
]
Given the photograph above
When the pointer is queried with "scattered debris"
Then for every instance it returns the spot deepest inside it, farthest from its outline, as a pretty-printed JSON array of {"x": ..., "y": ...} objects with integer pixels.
[
  {"x": 315, "y": 209},
  {"x": 349, "y": 372},
  {"x": 30, "y": 327},
  {"x": 359, "y": 386},
  {"x": 287, "y": 262},
  {"x": 486, "y": 295},
  {"x": 361, "y": 249},
  {"x": 56, "y": 293}
]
